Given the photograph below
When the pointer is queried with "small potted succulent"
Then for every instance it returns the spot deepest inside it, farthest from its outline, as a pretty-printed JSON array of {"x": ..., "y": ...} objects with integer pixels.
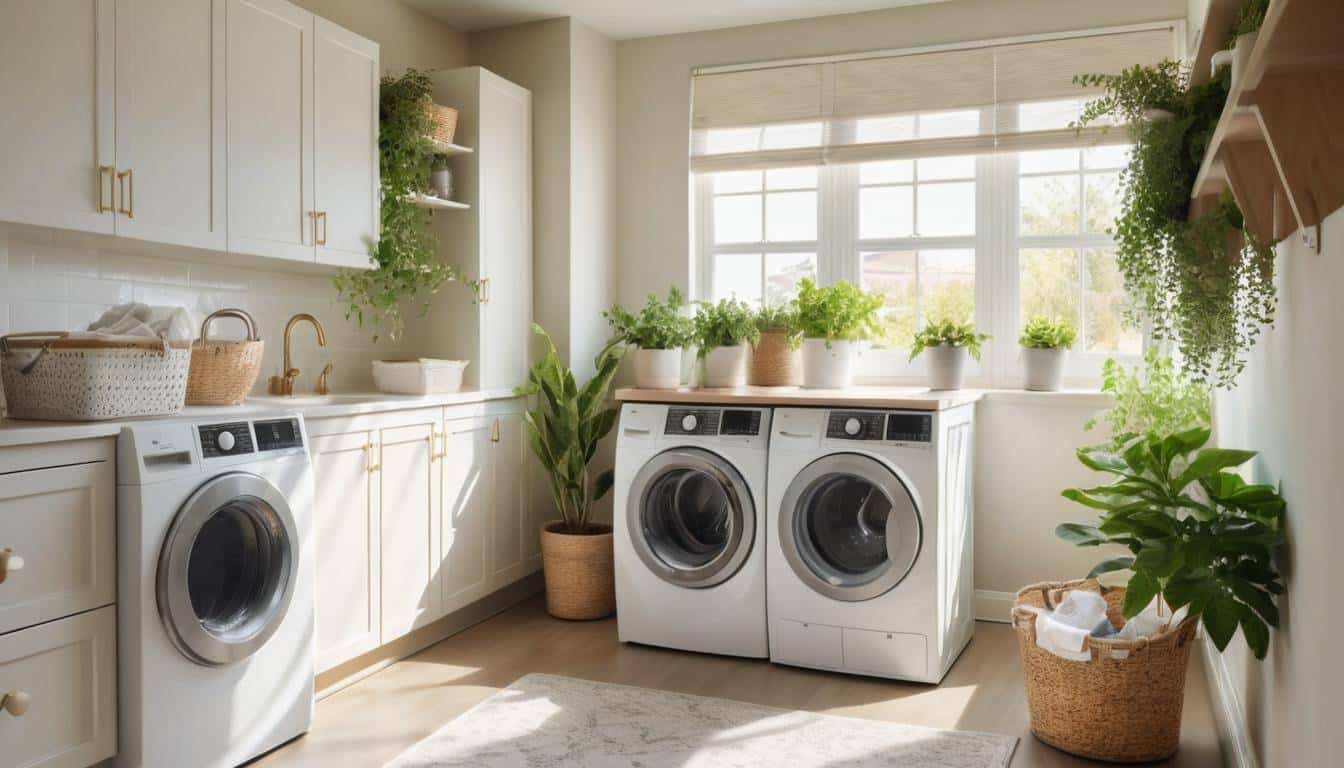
[
  {"x": 658, "y": 333},
  {"x": 948, "y": 343},
  {"x": 723, "y": 334},
  {"x": 834, "y": 319},
  {"x": 775, "y": 359},
  {"x": 1045, "y": 342}
]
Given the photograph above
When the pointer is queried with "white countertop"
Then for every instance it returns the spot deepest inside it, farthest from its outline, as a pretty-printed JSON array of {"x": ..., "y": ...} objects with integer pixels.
[{"x": 914, "y": 398}]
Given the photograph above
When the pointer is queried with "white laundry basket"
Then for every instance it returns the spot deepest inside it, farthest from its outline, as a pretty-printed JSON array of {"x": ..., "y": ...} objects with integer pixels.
[{"x": 418, "y": 377}]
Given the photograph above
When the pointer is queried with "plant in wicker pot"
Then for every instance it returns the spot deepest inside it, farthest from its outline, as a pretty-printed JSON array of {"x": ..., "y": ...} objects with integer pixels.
[
  {"x": 723, "y": 334},
  {"x": 775, "y": 361},
  {"x": 834, "y": 319},
  {"x": 1045, "y": 341},
  {"x": 658, "y": 332},
  {"x": 948, "y": 344},
  {"x": 564, "y": 427}
]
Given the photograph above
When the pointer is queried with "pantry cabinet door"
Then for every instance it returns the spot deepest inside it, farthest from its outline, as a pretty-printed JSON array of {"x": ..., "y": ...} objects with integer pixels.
[
  {"x": 410, "y": 528},
  {"x": 466, "y": 511},
  {"x": 56, "y": 107},
  {"x": 269, "y": 84},
  {"x": 345, "y": 78},
  {"x": 170, "y": 121},
  {"x": 347, "y": 527},
  {"x": 511, "y": 515}
]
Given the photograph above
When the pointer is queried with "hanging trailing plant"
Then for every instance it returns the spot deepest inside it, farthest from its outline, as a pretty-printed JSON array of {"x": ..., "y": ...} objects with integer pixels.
[
  {"x": 1205, "y": 284},
  {"x": 406, "y": 255}
]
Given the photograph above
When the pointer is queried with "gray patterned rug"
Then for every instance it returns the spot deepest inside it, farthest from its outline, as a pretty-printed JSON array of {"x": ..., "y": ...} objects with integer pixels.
[{"x": 547, "y": 721}]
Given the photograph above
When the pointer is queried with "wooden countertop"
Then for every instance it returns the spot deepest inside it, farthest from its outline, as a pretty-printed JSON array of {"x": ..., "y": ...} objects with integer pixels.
[{"x": 912, "y": 398}]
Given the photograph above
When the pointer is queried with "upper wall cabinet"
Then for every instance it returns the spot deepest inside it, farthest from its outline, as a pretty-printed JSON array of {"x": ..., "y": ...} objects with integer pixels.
[{"x": 345, "y": 126}]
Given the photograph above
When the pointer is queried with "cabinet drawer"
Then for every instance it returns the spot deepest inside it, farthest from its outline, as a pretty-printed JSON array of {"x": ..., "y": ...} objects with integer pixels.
[
  {"x": 61, "y": 523},
  {"x": 812, "y": 645},
  {"x": 68, "y": 670},
  {"x": 892, "y": 654}
]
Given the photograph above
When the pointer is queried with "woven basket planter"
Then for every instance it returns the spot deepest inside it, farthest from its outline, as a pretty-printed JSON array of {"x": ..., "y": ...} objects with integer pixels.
[
  {"x": 773, "y": 364},
  {"x": 442, "y": 121},
  {"x": 223, "y": 372},
  {"x": 580, "y": 572},
  {"x": 1122, "y": 706}
]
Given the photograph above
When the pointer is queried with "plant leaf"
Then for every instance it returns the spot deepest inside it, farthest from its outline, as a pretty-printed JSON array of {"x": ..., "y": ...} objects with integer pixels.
[
  {"x": 1140, "y": 591},
  {"x": 1113, "y": 564},
  {"x": 1080, "y": 535},
  {"x": 1254, "y": 630},
  {"x": 1210, "y": 461},
  {"x": 1221, "y": 616}
]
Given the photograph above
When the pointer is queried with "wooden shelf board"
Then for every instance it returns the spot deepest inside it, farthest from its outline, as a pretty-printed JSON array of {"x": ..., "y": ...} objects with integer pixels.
[
  {"x": 444, "y": 148},
  {"x": 1218, "y": 20},
  {"x": 429, "y": 201}
]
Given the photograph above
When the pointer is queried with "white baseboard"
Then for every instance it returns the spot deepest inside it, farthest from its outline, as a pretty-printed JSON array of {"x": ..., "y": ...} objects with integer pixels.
[
  {"x": 994, "y": 606},
  {"x": 1233, "y": 736}
]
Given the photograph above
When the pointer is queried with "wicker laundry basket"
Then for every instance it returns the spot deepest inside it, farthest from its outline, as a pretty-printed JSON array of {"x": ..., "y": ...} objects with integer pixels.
[
  {"x": 774, "y": 363},
  {"x": 1124, "y": 705},
  {"x": 442, "y": 121},
  {"x": 223, "y": 372}
]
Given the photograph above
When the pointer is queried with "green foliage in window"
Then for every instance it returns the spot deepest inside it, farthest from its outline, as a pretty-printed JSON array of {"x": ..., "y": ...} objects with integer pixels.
[
  {"x": 948, "y": 333},
  {"x": 1159, "y": 400},
  {"x": 780, "y": 318},
  {"x": 1199, "y": 535},
  {"x": 659, "y": 325},
  {"x": 1207, "y": 285},
  {"x": 406, "y": 254},
  {"x": 725, "y": 324},
  {"x": 838, "y": 312},
  {"x": 1041, "y": 332},
  {"x": 1250, "y": 16}
]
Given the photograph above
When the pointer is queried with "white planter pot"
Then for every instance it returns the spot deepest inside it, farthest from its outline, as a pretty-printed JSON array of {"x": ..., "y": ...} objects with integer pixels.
[
  {"x": 947, "y": 366},
  {"x": 1241, "y": 55},
  {"x": 442, "y": 184},
  {"x": 1044, "y": 368},
  {"x": 726, "y": 366},
  {"x": 828, "y": 367},
  {"x": 657, "y": 368}
]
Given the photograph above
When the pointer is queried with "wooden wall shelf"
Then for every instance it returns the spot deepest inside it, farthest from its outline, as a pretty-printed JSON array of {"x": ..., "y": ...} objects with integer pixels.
[{"x": 1279, "y": 145}]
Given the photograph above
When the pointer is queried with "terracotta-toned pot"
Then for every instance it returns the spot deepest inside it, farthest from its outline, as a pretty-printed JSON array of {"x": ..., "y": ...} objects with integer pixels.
[
  {"x": 773, "y": 364},
  {"x": 579, "y": 571}
]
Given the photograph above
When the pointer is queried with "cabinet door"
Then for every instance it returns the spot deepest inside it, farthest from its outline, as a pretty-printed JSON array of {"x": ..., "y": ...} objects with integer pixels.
[
  {"x": 170, "y": 121},
  {"x": 410, "y": 528},
  {"x": 348, "y": 549},
  {"x": 56, "y": 130},
  {"x": 466, "y": 511},
  {"x": 269, "y": 82},
  {"x": 345, "y": 104},
  {"x": 511, "y": 514}
]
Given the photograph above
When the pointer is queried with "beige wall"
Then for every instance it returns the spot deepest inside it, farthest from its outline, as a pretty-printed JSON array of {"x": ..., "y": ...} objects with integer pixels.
[{"x": 407, "y": 37}]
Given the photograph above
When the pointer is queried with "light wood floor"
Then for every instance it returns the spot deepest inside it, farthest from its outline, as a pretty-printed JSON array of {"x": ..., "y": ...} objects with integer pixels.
[{"x": 372, "y": 721}]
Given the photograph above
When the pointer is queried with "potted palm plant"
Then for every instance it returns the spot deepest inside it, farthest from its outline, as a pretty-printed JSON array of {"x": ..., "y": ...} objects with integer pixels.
[
  {"x": 1045, "y": 341},
  {"x": 723, "y": 333},
  {"x": 658, "y": 332},
  {"x": 564, "y": 426},
  {"x": 775, "y": 361},
  {"x": 834, "y": 319},
  {"x": 948, "y": 344}
]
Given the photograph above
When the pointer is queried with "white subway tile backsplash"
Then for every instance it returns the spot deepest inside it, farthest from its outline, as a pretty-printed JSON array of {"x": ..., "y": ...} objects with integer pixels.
[{"x": 38, "y": 316}]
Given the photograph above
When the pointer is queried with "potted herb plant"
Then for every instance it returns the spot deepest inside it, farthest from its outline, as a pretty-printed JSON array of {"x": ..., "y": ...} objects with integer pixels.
[
  {"x": 723, "y": 334},
  {"x": 1155, "y": 399},
  {"x": 658, "y": 333},
  {"x": 1045, "y": 342},
  {"x": 775, "y": 360},
  {"x": 833, "y": 319},
  {"x": 564, "y": 426},
  {"x": 948, "y": 343}
]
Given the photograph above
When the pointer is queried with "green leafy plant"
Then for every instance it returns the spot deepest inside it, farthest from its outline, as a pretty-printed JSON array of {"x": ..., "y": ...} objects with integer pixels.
[
  {"x": 838, "y": 312},
  {"x": 1041, "y": 332},
  {"x": 1199, "y": 535},
  {"x": 1158, "y": 400},
  {"x": 659, "y": 325},
  {"x": 726, "y": 324},
  {"x": 407, "y": 264},
  {"x": 781, "y": 318},
  {"x": 1250, "y": 16},
  {"x": 564, "y": 427},
  {"x": 948, "y": 333},
  {"x": 1202, "y": 282}
]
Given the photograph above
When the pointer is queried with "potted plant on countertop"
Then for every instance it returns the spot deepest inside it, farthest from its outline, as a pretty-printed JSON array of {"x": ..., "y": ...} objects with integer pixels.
[
  {"x": 723, "y": 334},
  {"x": 564, "y": 426},
  {"x": 658, "y": 333},
  {"x": 1045, "y": 342},
  {"x": 833, "y": 320},
  {"x": 775, "y": 360},
  {"x": 947, "y": 343}
]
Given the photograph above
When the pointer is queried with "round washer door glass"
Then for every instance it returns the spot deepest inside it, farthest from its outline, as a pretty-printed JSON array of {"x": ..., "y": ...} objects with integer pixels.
[
  {"x": 849, "y": 527},
  {"x": 227, "y": 569},
  {"x": 690, "y": 517}
]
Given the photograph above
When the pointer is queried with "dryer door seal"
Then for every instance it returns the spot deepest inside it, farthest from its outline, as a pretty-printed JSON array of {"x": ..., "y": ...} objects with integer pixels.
[
  {"x": 227, "y": 569},
  {"x": 691, "y": 517},
  {"x": 849, "y": 527}
]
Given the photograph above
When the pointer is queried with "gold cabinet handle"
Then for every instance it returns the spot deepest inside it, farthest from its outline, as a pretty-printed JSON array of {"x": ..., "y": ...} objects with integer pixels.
[
  {"x": 494, "y": 432},
  {"x": 15, "y": 702},
  {"x": 105, "y": 204},
  {"x": 322, "y": 240},
  {"x": 123, "y": 177},
  {"x": 442, "y": 452},
  {"x": 485, "y": 290},
  {"x": 9, "y": 562},
  {"x": 368, "y": 459}
]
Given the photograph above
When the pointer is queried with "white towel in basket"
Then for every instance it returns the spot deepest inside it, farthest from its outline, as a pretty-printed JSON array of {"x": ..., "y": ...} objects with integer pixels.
[{"x": 138, "y": 321}]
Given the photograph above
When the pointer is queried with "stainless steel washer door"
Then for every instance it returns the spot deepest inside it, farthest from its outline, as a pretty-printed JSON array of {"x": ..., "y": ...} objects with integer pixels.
[
  {"x": 691, "y": 517},
  {"x": 227, "y": 569},
  {"x": 848, "y": 527}
]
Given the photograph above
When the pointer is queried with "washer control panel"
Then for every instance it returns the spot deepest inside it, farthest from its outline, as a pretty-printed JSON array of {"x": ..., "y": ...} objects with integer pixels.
[
  {"x": 910, "y": 427},
  {"x": 692, "y": 421},
  {"x": 740, "y": 422},
  {"x": 232, "y": 439},
  {"x": 854, "y": 425},
  {"x": 278, "y": 434}
]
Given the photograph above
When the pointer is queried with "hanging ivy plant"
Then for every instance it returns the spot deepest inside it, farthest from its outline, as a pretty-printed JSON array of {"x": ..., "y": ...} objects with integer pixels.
[
  {"x": 1204, "y": 284},
  {"x": 406, "y": 254}
]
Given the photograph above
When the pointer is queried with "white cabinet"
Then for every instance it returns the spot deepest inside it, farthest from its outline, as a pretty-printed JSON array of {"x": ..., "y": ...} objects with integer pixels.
[
  {"x": 410, "y": 524},
  {"x": 345, "y": 125},
  {"x": 513, "y": 531},
  {"x": 467, "y": 481}
]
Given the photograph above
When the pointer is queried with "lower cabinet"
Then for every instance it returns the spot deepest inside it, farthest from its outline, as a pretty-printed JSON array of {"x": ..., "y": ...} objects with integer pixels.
[{"x": 410, "y": 490}]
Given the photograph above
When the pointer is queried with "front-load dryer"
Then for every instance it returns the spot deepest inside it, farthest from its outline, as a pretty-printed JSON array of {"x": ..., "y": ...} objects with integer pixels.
[
  {"x": 869, "y": 543},
  {"x": 215, "y": 590},
  {"x": 688, "y": 527}
]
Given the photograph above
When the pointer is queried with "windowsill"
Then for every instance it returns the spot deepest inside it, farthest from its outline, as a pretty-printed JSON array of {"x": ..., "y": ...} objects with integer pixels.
[{"x": 1075, "y": 398}]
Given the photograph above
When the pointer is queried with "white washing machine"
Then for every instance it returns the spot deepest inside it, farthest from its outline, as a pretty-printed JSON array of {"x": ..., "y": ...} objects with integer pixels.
[
  {"x": 870, "y": 540},
  {"x": 215, "y": 590},
  {"x": 689, "y": 527}
]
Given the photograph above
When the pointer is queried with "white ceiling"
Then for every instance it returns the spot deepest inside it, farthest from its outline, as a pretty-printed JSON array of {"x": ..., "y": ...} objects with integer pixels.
[{"x": 622, "y": 19}]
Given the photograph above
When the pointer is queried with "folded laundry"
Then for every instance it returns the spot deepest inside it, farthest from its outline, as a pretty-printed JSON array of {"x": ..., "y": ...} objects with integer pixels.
[
  {"x": 1082, "y": 614},
  {"x": 139, "y": 321}
]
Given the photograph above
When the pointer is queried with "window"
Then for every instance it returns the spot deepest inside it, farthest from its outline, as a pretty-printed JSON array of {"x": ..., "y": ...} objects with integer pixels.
[{"x": 764, "y": 234}]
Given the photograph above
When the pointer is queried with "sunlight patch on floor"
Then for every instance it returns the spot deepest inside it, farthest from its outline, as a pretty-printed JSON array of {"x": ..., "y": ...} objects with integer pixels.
[{"x": 948, "y": 702}]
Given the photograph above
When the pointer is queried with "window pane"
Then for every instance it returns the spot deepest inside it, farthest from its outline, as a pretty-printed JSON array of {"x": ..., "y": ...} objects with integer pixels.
[
  {"x": 893, "y": 275},
  {"x": 1099, "y": 158},
  {"x": 886, "y": 212},
  {"x": 1046, "y": 115},
  {"x": 887, "y": 172},
  {"x": 1048, "y": 160},
  {"x": 788, "y": 136},
  {"x": 720, "y": 140},
  {"x": 737, "y": 181},
  {"x": 737, "y": 219},
  {"x": 1101, "y": 200},
  {"x": 947, "y": 209},
  {"x": 935, "y": 168},
  {"x": 872, "y": 129},
  {"x": 791, "y": 178},
  {"x": 1049, "y": 205},
  {"x": 782, "y": 273},
  {"x": 790, "y": 216},
  {"x": 1049, "y": 283},
  {"x": 1104, "y": 310},
  {"x": 737, "y": 274},
  {"x": 962, "y": 123},
  {"x": 947, "y": 285}
]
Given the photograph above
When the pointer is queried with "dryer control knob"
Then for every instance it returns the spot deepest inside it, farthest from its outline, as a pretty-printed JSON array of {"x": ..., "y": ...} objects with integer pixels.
[
  {"x": 853, "y": 426},
  {"x": 225, "y": 441},
  {"x": 689, "y": 422}
]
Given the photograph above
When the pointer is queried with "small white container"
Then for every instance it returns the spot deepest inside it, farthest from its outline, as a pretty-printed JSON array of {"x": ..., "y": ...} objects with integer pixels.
[
  {"x": 947, "y": 366},
  {"x": 657, "y": 368},
  {"x": 828, "y": 364},
  {"x": 726, "y": 366},
  {"x": 424, "y": 376}
]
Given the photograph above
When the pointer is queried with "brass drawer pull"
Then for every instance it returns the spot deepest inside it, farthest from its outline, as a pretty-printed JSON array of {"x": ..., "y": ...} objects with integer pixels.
[
  {"x": 104, "y": 204},
  {"x": 9, "y": 562},
  {"x": 127, "y": 198},
  {"x": 368, "y": 459}
]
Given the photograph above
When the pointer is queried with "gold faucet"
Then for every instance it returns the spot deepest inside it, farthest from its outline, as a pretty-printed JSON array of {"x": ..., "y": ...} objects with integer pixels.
[{"x": 284, "y": 385}]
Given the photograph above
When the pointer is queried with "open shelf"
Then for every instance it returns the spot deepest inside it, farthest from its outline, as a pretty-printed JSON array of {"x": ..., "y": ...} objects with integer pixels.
[
  {"x": 444, "y": 148},
  {"x": 1218, "y": 20},
  {"x": 429, "y": 201}
]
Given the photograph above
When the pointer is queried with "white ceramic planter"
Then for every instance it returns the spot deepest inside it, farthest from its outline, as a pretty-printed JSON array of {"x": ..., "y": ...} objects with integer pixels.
[
  {"x": 947, "y": 366},
  {"x": 1241, "y": 55},
  {"x": 657, "y": 368},
  {"x": 828, "y": 367},
  {"x": 1044, "y": 368},
  {"x": 726, "y": 366}
]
